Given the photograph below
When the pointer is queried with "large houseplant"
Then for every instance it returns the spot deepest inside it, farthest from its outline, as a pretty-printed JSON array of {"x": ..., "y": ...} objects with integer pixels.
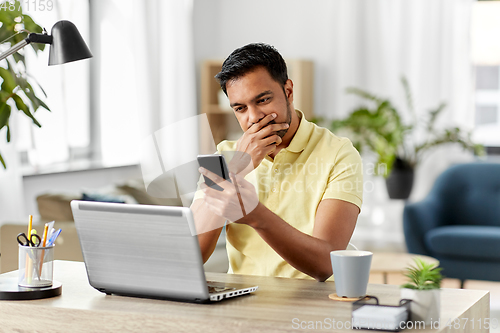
[
  {"x": 381, "y": 129},
  {"x": 17, "y": 86},
  {"x": 423, "y": 289}
]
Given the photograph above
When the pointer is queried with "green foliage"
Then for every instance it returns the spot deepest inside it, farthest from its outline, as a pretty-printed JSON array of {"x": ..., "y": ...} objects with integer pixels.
[
  {"x": 423, "y": 276},
  {"x": 381, "y": 130},
  {"x": 17, "y": 86}
]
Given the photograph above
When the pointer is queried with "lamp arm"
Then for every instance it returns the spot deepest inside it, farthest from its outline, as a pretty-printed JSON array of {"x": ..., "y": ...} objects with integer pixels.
[
  {"x": 14, "y": 49},
  {"x": 32, "y": 38}
]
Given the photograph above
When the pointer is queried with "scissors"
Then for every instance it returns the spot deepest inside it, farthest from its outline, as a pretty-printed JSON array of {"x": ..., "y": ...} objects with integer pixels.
[{"x": 25, "y": 241}]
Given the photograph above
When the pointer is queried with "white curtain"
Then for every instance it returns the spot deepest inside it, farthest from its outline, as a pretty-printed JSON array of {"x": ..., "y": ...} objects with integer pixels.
[
  {"x": 375, "y": 42},
  {"x": 164, "y": 45},
  {"x": 146, "y": 70},
  {"x": 170, "y": 71},
  {"x": 11, "y": 186}
]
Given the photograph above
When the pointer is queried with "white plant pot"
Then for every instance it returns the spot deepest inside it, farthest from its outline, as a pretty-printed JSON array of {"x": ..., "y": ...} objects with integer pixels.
[{"x": 425, "y": 304}]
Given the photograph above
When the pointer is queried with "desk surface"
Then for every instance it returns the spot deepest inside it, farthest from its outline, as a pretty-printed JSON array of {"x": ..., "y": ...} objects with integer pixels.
[{"x": 279, "y": 305}]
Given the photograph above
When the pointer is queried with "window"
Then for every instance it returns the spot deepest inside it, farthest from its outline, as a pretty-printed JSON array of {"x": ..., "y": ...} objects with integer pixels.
[
  {"x": 487, "y": 120},
  {"x": 485, "y": 28}
]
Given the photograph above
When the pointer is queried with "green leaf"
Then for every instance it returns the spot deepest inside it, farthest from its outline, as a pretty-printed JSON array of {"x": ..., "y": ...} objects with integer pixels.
[
  {"x": 20, "y": 105},
  {"x": 42, "y": 104},
  {"x": 26, "y": 110},
  {"x": 30, "y": 25},
  {"x": 423, "y": 276},
  {"x": 3, "y": 162},
  {"x": 39, "y": 86},
  {"x": 5, "y": 111},
  {"x": 4, "y": 18},
  {"x": 18, "y": 57},
  {"x": 28, "y": 90},
  {"x": 20, "y": 79},
  {"x": 28, "y": 113},
  {"x": 409, "y": 286},
  {"x": 409, "y": 97},
  {"x": 9, "y": 81}
]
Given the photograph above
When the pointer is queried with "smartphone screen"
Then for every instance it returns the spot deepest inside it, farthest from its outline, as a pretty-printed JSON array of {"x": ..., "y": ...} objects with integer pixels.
[{"x": 217, "y": 164}]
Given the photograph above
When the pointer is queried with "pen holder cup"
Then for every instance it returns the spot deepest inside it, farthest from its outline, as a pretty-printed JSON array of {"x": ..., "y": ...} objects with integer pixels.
[{"x": 36, "y": 266}]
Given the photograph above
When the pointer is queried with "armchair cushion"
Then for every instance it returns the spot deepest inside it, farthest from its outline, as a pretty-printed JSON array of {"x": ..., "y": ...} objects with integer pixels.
[{"x": 465, "y": 242}]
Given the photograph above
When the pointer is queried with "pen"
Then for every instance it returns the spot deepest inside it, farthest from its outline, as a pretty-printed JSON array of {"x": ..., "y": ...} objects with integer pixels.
[
  {"x": 52, "y": 239},
  {"x": 51, "y": 229}
]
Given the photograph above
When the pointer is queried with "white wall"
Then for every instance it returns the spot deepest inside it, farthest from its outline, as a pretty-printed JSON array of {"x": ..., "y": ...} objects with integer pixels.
[{"x": 297, "y": 28}]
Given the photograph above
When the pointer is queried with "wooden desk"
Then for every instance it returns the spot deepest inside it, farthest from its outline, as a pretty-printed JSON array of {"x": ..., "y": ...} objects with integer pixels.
[{"x": 275, "y": 307}]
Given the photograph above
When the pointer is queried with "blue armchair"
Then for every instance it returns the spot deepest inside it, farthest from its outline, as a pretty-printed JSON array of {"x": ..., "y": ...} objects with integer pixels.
[{"x": 458, "y": 223}]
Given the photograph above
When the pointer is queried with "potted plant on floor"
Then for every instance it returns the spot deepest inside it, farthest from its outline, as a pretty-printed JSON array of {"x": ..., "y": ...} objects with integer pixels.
[
  {"x": 424, "y": 291},
  {"x": 16, "y": 90},
  {"x": 380, "y": 129}
]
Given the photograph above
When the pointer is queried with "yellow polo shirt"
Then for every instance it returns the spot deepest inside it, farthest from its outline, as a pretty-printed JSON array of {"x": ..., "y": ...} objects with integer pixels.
[{"x": 316, "y": 165}]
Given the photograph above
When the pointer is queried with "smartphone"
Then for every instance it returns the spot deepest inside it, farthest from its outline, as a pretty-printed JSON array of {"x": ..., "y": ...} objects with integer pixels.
[{"x": 217, "y": 164}]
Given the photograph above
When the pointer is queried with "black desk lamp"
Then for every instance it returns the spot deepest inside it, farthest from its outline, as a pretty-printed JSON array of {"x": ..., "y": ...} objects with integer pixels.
[{"x": 66, "y": 44}]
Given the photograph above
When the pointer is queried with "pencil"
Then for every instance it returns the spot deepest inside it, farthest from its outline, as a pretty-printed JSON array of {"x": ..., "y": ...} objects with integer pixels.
[
  {"x": 30, "y": 225},
  {"x": 44, "y": 241}
]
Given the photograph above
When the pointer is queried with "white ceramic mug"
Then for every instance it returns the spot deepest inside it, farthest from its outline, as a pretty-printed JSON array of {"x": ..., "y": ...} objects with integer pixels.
[{"x": 351, "y": 270}]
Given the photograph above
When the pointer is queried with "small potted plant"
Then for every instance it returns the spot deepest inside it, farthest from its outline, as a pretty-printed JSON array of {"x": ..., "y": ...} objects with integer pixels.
[{"x": 424, "y": 290}]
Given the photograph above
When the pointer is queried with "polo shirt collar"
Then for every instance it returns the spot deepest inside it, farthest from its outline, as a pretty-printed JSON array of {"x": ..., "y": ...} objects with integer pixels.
[{"x": 301, "y": 137}]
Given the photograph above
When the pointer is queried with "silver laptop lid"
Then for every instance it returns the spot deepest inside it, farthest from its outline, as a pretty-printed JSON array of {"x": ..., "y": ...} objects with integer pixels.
[{"x": 140, "y": 250}]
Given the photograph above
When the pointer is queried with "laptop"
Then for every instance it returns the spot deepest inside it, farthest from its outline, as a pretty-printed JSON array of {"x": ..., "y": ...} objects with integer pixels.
[{"x": 145, "y": 251}]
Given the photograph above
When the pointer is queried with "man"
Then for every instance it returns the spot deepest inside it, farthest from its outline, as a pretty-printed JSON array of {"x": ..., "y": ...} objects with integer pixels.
[{"x": 302, "y": 200}]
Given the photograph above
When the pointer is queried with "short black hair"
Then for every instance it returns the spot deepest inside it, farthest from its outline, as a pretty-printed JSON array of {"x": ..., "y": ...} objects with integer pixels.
[{"x": 247, "y": 58}]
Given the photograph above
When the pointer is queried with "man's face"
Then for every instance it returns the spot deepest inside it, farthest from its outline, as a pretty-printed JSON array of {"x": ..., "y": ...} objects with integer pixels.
[{"x": 256, "y": 95}]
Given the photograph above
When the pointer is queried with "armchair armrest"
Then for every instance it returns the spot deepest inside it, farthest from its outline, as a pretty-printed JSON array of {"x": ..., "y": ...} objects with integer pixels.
[{"x": 418, "y": 219}]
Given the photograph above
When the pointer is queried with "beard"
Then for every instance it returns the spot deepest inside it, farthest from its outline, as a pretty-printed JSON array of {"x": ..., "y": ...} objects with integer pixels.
[{"x": 288, "y": 121}]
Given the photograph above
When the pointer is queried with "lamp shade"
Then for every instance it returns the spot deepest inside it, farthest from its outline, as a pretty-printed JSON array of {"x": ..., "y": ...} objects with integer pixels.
[{"x": 67, "y": 44}]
